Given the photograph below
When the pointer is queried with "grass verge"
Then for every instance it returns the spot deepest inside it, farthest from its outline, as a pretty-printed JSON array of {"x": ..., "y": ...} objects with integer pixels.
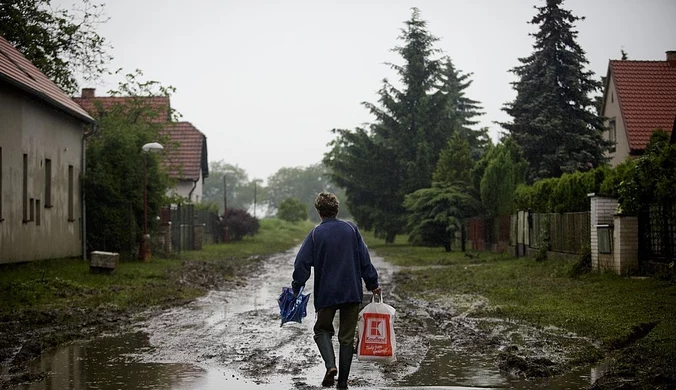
[
  {"x": 67, "y": 283},
  {"x": 636, "y": 317},
  {"x": 46, "y": 303}
]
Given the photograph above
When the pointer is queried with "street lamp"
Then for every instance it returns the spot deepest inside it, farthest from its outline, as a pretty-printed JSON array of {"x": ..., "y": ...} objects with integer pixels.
[
  {"x": 226, "y": 232},
  {"x": 152, "y": 147},
  {"x": 255, "y": 181}
]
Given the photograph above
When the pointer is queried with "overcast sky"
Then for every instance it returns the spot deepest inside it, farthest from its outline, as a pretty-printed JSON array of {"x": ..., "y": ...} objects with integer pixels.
[{"x": 266, "y": 81}]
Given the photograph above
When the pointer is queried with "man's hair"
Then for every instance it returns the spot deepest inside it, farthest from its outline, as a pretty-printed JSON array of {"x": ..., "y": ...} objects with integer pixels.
[{"x": 326, "y": 204}]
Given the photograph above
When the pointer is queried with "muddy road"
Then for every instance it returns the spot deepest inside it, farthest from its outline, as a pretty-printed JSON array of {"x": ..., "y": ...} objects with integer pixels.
[{"x": 233, "y": 340}]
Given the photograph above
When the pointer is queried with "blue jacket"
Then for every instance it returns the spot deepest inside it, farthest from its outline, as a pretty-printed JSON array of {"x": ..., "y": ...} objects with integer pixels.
[{"x": 341, "y": 260}]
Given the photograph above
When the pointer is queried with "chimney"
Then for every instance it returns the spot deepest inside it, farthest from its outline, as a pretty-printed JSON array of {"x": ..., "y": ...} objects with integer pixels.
[
  {"x": 88, "y": 93},
  {"x": 671, "y": 58}
]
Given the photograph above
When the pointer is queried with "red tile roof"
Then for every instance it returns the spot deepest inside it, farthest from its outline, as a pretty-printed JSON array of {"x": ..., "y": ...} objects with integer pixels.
[
  {"x": 16, "y": 70},
  {"x": 160, "y": 105},
  {"x": 646, "y": 93},
  {"x": 186, "y": 152}
]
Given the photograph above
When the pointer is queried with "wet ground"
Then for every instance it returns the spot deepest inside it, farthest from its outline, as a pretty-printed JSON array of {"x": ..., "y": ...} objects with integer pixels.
[{"x": 233, "y": 340}]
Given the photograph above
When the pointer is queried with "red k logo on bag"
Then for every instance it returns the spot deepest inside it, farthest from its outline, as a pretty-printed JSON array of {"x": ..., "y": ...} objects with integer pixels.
[{"x": 376, "y": 339}]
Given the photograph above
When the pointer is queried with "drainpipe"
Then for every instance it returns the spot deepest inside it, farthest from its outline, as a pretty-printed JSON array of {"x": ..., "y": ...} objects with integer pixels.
[
  {"x": 83, "y": 205},
  {"x": 194, "y": 185}
]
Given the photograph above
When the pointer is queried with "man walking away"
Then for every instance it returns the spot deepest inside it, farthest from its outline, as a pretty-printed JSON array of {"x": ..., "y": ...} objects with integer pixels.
[{"x": 341, "y": 261}]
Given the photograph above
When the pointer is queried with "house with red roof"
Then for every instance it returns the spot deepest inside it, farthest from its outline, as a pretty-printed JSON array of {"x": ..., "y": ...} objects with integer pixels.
[
  {"x": 187, "y": 161},
  {"x": 43, "y": 136},
  {"x": 639, "y": 98},
  {"x": 185, "y": 155}
]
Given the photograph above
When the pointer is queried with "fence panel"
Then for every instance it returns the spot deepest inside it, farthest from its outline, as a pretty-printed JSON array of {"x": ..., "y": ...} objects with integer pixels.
[
  {"x": 657, "y": 240},
  {"x": 564, "y": 232}
]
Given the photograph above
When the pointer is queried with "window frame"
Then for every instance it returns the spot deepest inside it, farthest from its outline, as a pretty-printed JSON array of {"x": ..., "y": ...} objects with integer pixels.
[
  {"x": 71, "y": 194},
  {"x": 24, "y": 190},
  {"x": 612, "y": 133},
  {"x": 48, "y": 183}
]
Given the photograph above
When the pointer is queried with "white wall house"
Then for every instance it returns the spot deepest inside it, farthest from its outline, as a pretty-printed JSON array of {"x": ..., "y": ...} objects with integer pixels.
[
  {"x": 639, "y": 98},
  {"x": 42, "y": 140},
  {"x": 186, "y": 160}
]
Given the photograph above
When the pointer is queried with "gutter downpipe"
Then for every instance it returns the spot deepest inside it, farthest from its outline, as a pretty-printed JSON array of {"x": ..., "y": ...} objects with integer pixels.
[
  {"x": 87, "y": 135},
  {"x": 194, "y": 185}
]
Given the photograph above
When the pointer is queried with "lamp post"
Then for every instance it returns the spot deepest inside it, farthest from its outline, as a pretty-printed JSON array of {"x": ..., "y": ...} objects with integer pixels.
[
  {"x": 152, "y": 147},
  {"x": 255, "y": 182},
  {"x": 226, "y": 230}
]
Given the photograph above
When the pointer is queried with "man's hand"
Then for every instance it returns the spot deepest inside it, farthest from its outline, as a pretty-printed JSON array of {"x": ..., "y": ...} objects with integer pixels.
[{"x": 376, "y": 291}]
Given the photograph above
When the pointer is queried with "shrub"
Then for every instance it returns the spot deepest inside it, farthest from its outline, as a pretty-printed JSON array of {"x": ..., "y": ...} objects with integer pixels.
[
  {"x": 292, "y": 210},
  {"x": 583, "y": 264},
  {"x": 240, "y": 223}
]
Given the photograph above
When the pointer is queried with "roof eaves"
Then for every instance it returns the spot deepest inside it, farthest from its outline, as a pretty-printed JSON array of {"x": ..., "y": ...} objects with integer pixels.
[
  {"x": 605, "y": 93},
  {"x": 42, "y": 96}
]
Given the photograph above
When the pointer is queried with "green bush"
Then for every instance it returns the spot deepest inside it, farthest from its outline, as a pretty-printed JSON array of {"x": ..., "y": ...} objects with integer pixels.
[
  {"x": 651, "y": 179},
  {"x": 583, "y": 264},
  {"x": 240, "y": 224},
  {"x": 292, "y": 210},
  {"x": 570, "y": 192}
]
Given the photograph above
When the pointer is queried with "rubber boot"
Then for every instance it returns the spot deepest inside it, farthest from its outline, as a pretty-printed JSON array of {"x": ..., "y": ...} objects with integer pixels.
[
  {"x": 326, "y": 350},
  {"x": 344, "y": 363}
]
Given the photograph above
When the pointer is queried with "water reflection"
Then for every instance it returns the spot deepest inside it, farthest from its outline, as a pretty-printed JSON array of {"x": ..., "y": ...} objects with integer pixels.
[
  {"x": 108, "y": 363},
  {"x": 444, "y": 366},
  {"x": 111, "y": 363}
]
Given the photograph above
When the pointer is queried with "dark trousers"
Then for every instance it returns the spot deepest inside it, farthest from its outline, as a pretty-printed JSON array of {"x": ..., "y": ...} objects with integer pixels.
[{"x": 349, "y": 313}]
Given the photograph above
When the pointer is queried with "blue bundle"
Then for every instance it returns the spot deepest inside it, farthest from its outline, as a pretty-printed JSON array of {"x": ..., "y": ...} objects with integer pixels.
[{"x": 292, "y": 308}]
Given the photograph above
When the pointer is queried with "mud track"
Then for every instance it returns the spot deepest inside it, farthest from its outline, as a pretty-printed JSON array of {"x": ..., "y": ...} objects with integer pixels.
[{"x": 239, "y": 329}]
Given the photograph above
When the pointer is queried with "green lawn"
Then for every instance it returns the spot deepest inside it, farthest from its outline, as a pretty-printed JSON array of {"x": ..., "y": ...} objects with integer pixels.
[
  {"x": 603, "y": 306},
  {"x": 67, "y": 283}
]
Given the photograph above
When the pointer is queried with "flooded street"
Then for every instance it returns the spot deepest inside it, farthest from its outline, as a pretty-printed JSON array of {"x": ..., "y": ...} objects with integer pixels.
[{"x": 233, "y": 340}]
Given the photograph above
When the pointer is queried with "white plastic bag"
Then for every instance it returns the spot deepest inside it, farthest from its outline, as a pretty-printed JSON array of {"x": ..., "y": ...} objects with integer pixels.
[{"x": 376, "y": 333}]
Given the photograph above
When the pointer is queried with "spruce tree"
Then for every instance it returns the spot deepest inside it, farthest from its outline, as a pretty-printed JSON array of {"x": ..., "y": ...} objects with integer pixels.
[
  {"x": 414, "y": 120},
  {"x": 397, "y": 154},
  {"x": 554, "y": 118},
  {"x": 460, "y": 112},
  {"x": 407, "y": 118}
]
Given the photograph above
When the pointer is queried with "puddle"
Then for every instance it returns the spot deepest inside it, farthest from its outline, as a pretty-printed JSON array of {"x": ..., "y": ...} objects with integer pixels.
[{"x": 232, "y": 340}]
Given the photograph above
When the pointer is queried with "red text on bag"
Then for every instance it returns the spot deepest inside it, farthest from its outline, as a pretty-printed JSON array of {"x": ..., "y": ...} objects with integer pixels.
[{"x": 376, "y": 338}]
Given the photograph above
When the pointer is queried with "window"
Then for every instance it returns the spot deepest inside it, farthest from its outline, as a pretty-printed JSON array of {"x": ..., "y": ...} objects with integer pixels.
[
  {"x": 48, "y": 183},
  {"x": 604, "y": 235},
  {"x": 37, "y": 212},
  {"x": 24, "y": 195},
  {"x": 612, "y": 134},
  {"x": 31, "y": 204},
  {"x": 71, "y": 214}
]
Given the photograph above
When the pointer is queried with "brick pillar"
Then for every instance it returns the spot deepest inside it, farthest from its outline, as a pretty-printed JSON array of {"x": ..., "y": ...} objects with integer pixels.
[
  {"x": 625, "y": 245},
  {"x": 603, "y": 208}
]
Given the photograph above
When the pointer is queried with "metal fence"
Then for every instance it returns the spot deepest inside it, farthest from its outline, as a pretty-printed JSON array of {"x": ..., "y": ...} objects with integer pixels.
[
  {"x": 657, "y": 240},
  {"x": 184, "y": 219}
]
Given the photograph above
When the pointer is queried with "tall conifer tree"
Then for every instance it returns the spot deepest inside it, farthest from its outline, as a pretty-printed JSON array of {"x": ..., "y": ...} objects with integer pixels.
[
  {"x": 554, "y": 120},
  {"x": 397, "y": 154}
]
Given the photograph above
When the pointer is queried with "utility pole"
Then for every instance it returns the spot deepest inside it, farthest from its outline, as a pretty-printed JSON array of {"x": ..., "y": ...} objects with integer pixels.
[
  {"x": 255, "y": 189},
  {"x": 226, "y": 232}
]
